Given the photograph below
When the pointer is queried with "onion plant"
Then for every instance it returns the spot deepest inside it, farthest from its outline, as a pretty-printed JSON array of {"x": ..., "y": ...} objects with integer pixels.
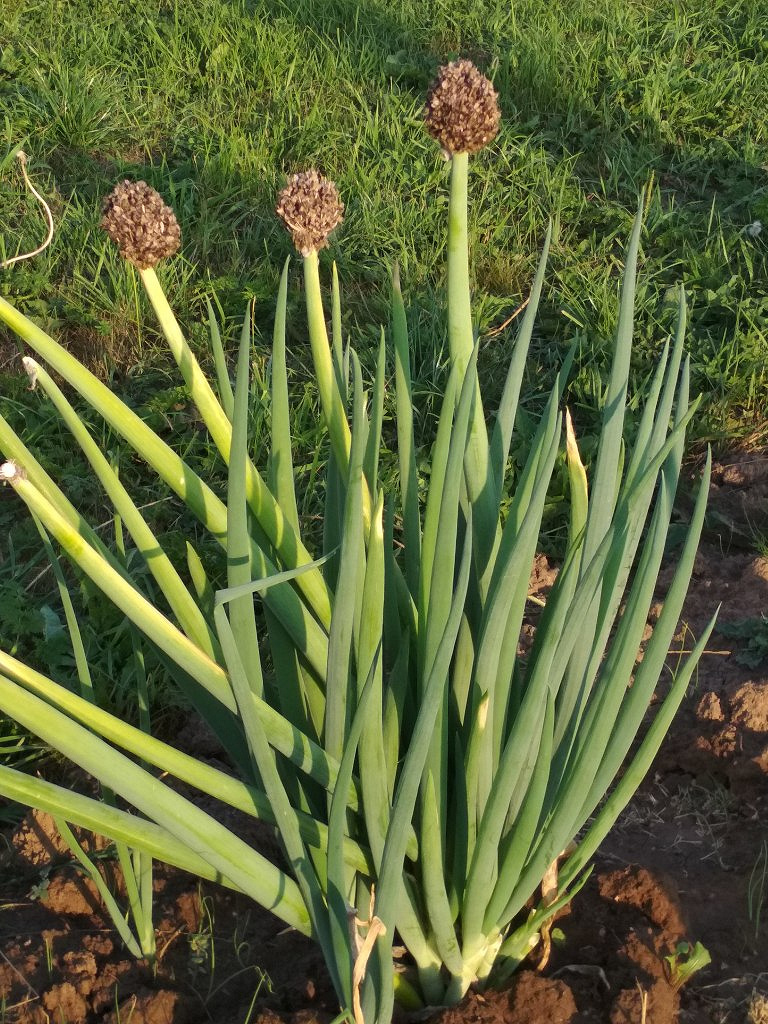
[{"x": 438, "y": 791}]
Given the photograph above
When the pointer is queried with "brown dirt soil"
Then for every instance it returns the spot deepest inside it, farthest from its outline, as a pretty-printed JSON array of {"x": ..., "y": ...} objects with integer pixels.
[{"x": 688, "y": 861}]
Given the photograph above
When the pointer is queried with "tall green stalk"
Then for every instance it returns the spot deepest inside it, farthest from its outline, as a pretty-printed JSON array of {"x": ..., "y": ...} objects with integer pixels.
[{"x": 481, "y": 486}]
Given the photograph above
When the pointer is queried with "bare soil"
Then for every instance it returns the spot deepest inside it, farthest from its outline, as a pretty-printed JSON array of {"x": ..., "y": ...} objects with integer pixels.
[{"x": 688, "y": 861}]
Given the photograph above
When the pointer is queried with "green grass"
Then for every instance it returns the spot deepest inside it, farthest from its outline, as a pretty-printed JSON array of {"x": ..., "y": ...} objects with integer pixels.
[{"x": 214, "y": 102}]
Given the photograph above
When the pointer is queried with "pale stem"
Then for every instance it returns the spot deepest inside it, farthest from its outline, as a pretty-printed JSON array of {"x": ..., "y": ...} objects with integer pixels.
[
  {"x": 460, "y": 336},
  {"x": 330, "y": 399}
]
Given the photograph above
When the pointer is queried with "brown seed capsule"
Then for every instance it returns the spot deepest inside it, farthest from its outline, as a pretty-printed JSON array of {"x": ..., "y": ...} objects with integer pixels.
[
  {"x": 310, "y": 208},
  {"x": 462, "y": 110},
  {"x": 140, "y": 224}
]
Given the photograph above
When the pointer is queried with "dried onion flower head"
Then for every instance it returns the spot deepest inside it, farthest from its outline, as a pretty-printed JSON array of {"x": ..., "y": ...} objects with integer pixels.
[
  {"x": 462, "y": 110},
  {"x": 141, "y": 225},
  {"x": 310, "y": 208}
]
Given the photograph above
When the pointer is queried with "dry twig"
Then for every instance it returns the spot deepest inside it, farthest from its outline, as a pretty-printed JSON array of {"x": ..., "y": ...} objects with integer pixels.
[{"x": 21, "y": 156}]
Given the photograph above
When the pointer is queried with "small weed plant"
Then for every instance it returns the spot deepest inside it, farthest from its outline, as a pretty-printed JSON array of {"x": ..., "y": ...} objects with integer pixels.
[
  {"x": 754, "y": 632},
  {"x": 434, "y": 790}
]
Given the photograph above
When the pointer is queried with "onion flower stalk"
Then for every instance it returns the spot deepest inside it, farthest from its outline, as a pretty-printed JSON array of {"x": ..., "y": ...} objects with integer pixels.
[{"x": 437, "y": 793}]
